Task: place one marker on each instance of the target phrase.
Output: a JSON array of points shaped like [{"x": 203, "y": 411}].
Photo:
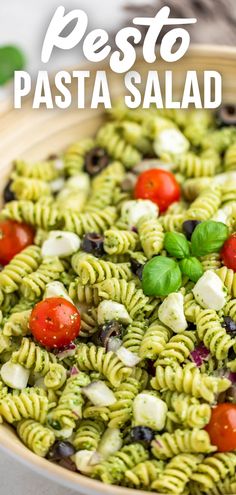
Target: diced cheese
[
  {"x": 171, "y": 312},
  {"x": 80, "y": 182},
  {"x": 14, "y": 375},
  {"x": 57, "y": 184},
  {"x": 63, "y": 434},
  {"x": 170, "y": 141},
  {"x": 222, "y": 179},
  {"x": 150, "y": 411},
  {"x": 56, "y": 289},
  {"x": 220, "y": 216},
  {"x": 99, "y": 394},
  {"x": 111, "y": 310},
  {"x": 133, "y": 210},
  {"x": 127, "y": 357},
  {"x": 110, "y": 443},
  {"x": 60, "y": 243},
  {"x": 210, "y": 291},
  {"x": 82, "y": 460}
]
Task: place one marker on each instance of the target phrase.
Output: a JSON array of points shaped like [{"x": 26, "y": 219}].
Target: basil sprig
[
  {"x": 192, "y": 268},
  {"x": 176, "y": 245},
  {"x": 208, "y": 237},
  {"x": 161, "y": 276}
]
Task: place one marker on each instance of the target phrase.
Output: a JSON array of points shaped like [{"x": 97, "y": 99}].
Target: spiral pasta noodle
[
  {"x": 214, "y": 469},
  {"x": 126, "y": 293},
  {"x": 188, "y": 379},
  {"x": 35, "y": 436},
  {"x": 151, "y": 235},
  {"x": 92, "y": 358},
  {"x": 21, "y": 265},
  {"x": 213, "y": 335},
  {"x": 176, "y": 474},
  {"x": 181, "y": 441},
  {"x": 35, "y": 283},
  {"x": 154, "y": 340},
  {"x": 92, "y": 270},
  {"x": 29, "y": 404},
  {"x": 142, "y": 475},
  {"x": 128, "y": 457},
  {"x": 46, "y": 171},
  {"x": 33, "y": 357},
  {"x": 178, "y": 349},
  {"x": 110, "y": 139},
  {"x": 121, "y": 411},
  {"x": 69, "y": 408},
  {"x": 120, "y": 242},
  {"x": 30, "y": 189}
]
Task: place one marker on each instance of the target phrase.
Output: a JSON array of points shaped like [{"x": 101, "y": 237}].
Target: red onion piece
[
  {"x": 74, "y": 371},
  {"x": 199, "y": 355}
]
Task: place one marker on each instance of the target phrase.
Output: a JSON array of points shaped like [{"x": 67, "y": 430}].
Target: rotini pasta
[{"x": 131, "y": 385}]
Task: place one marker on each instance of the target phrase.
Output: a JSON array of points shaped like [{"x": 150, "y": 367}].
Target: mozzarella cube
[
  {"x": 170, "y": 141},
  {"x": 14, "y": 375},
  {"x": 132, "y": 211},
  {"x": 57, "y": 184},
  {"x": 63, "y": 434},
  {"x": 60, "y": 243},
  {"x": 220, "y": 216},
  {"x": 80, "y": 182},
  {"x": 111, "y": 310},
  {"x": 150, "y": 411},
  {"x": 171, "y": 312},
  {"x": 56, "y": 289},
  {"x": 210, "y": 292},
  {"x": 99, "y": 394},
  {"x": 111, "y": 442},
  {"x": 82, "y": 460}
]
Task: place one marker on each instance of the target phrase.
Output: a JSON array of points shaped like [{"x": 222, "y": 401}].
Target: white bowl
[{"x": 33, "y": 135}]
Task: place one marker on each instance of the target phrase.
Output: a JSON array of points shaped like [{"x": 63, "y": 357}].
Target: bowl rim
[{"x": 16, "y": 449}]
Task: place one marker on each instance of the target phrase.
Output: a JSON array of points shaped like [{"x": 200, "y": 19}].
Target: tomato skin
[
  {"x": 160, "y": 186},
  {"x": 222, "y": 427},
  {"x": 14, "y": 237},
  {"x": 228, "y": 252},
  {"x": 55, "y": 322}
]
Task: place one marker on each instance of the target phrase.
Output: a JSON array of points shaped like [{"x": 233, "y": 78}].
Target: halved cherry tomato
[
  {"x": 222, "y": 427},
  {"x": 228, "y": 252},
  {"x": 160, "y": 186},
  {"x": 55, "y": 322},
  {"x": 14, "y": 237}
]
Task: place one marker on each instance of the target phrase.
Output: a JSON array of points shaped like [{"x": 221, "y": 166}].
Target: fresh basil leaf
[
  {"x": 161, "y": 276},
  {"x": 192, "y": 268},
  {"x": 208, "y": 237},
  {"x": 176, "y": 245},
  {"x": 11, "y": 59}
]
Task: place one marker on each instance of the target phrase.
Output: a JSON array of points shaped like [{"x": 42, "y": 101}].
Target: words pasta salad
[{"x": 118, "y": 303}]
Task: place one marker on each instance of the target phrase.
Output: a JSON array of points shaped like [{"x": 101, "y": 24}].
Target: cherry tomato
[
  {"x": 55, "y": 322},
  {"x": 222, "y": 427},
  {"x": 228, "y": 252},
  {"x": 159, "y": 186},
  {"x": 14, "y": 237}
]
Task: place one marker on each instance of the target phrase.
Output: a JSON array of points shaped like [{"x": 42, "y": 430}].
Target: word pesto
[{"x": 96, "y": 48}]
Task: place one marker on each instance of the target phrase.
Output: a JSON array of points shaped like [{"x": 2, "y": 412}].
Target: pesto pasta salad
[{"x": 118, "y": 303}]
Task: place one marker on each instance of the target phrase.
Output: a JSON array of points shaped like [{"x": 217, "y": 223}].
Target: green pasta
[{"x": 111, "y": 344}]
